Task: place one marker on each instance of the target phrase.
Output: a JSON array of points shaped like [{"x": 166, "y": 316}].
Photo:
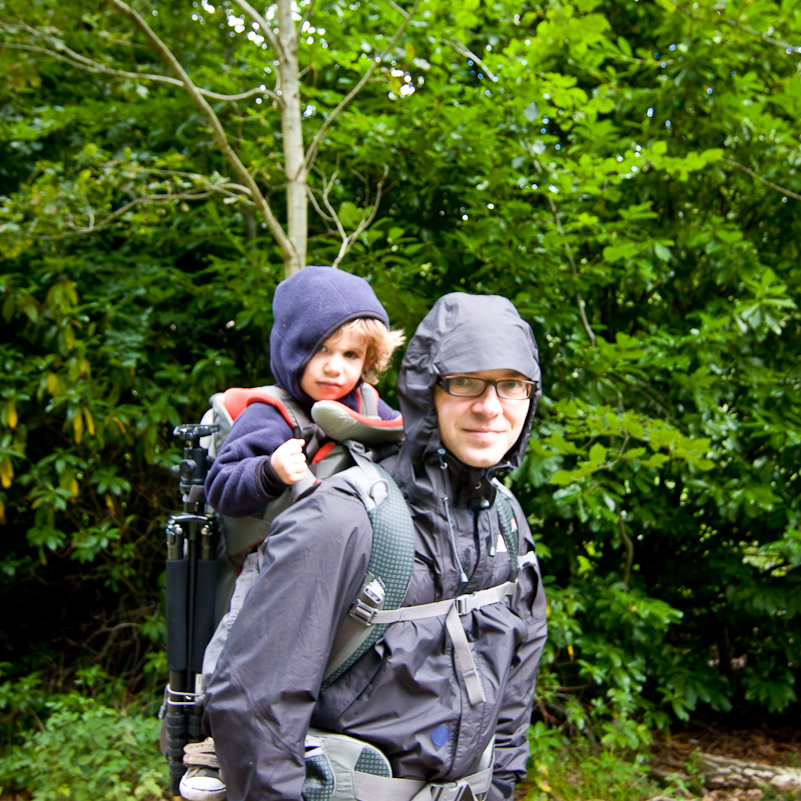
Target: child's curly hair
[{"x": 379, "y": 342}]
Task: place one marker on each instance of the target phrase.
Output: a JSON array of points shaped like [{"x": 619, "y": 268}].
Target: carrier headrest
[{"x": 340, "y": 423}]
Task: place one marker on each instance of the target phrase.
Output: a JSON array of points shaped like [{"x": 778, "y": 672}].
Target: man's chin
[{"x": 481, "y": 458}]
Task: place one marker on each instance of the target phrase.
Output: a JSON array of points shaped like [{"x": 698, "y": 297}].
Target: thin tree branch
[
  {"x": 465, "y": 51},
  {"x": 311, "y": 153},
  {"x": 263, "y": 24},
  {"x": 138, "y": 201},
  {"x": 39, "y": 34},
  {"x": 227, "y": 188},
  {"x": 326, "y": 217},
  {"x": 306, "y": 15},
  {"x": 652, "y": 396},
  {"x": 286, "y": 245},
  {"x": 348, "y": 240},
  {"x": 737, "y": 26},
  {"x": 334, "y": 216},
  {"x": 629, "y": 545},
  {"x": 765, "y": 181},
  {"x": 579, "y": 300},
  {"x": 402, "y": 11},
  {"x": 86, "y": 64},
  {"x": 366, "y": 221}
]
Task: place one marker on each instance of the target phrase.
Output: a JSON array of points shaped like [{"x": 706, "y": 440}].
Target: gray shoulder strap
[
  {"x": 388, "y": 571},
  {"x": 300, "y": 419},
  {"x": 369, "y": 398}
]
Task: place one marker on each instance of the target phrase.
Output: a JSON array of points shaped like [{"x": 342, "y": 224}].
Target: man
[{"x": 469, "y": 386}]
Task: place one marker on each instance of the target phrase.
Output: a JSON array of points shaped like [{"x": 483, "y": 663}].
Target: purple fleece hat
[{"x": 308, "y": 307}]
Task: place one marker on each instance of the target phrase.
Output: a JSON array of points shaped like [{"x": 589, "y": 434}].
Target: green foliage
[
  {"x": 574, "y": 773},
  {"x": 83, "y": 749},
  {"x": 627, "y": 173}
]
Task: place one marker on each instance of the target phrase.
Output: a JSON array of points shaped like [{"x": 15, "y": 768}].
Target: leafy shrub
[
  {"x": 571, "y": 772},
  {"x": 85, "y": 751}
]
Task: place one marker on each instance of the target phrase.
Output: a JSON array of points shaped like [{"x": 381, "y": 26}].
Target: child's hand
[{"x": 289, "y": 462}]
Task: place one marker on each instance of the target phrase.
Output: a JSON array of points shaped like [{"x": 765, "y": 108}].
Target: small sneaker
[{"x": 203, "y": 780}]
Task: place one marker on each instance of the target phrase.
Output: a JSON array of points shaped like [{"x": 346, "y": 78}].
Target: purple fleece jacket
[{"x": 307, "y": 309}]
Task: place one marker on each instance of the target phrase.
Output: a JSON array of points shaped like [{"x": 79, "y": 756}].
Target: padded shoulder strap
[
  {"x": 388, "y": 571},
  {"x": 368, "y": 400},
  {"x": 508, "y": 527},
  {"x": 237, "y": 399}
]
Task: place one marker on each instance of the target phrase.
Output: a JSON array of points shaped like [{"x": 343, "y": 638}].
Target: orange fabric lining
[{"x": 323, "y": 451}]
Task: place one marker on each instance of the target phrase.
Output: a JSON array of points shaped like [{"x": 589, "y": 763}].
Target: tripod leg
[{"x": 175, "y": 713}]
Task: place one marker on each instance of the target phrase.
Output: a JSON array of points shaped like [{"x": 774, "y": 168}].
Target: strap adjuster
[
  {"x": 452, "y": 791},
  {"x": 462, "y": 607},
  {"x": 363, "y": 613}
]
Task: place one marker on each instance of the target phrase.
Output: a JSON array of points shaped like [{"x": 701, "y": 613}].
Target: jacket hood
[
  {"x": 462, "y": 334},
  {"x": 307, "y": 308}
]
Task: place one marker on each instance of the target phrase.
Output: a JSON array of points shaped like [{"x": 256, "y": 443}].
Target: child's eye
[{"x": 352, "y": 354}]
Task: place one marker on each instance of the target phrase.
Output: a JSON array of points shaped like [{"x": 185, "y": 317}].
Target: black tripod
[{"x": 191, "y": 581}]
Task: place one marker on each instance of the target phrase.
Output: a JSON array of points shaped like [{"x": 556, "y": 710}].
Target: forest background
[{"x": 626, "y": 172}]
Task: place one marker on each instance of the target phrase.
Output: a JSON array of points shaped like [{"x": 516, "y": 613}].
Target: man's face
[
  {"x": 479, "y": 431},
  {"x": 336, "y": 368}
]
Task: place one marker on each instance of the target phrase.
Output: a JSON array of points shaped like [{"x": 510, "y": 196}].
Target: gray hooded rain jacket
[{"x": 407, "y": 695}]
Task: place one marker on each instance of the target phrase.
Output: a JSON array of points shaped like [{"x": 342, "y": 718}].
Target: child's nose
[{"x": 333, "y": 365}]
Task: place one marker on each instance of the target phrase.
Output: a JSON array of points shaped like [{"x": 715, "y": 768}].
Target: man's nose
[{"x": 488, "y": 402}]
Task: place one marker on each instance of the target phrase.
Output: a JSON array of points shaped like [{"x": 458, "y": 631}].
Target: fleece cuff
[{"x": 269, "y": 482}]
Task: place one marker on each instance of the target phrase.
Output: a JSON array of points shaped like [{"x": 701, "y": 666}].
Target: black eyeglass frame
[{"x": 444, "y": 381}]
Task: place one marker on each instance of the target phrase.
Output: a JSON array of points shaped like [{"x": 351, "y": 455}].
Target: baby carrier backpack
[{"x": 204, "y": 550}]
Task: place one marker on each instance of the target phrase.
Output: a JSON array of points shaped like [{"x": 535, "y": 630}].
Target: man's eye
[
  {"x": 511, "y": 385},
  {"x": 461, "y": 381}
]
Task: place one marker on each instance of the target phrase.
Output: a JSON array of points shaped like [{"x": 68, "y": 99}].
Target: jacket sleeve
[
  {"x": 240, "y": 481},
  {"x": 262, "y": 694},
  {"x": 511, "y": 744}
]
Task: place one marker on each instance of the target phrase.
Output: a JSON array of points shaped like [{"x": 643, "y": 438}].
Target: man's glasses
[{"x": 468, "y": 386}]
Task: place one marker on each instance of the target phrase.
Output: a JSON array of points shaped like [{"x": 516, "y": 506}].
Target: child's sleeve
[{"x": 241, "y": 481}]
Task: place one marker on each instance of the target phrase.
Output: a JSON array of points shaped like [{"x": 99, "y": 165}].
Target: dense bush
[
  {"x": 626, "y": 173},
  {"x": 76, "y": 746}
]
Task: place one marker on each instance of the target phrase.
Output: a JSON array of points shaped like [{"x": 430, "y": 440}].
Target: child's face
[{"x": 336, "y": 368}]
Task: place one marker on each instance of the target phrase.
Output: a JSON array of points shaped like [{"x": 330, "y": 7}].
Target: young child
[{"x": 330, "y": 334}]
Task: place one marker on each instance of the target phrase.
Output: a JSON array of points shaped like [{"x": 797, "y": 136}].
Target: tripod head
[{"x": 193, "y": 468}]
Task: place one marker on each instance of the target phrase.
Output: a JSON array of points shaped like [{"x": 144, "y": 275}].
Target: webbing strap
[
  {"x": 300, "y": 488},
  {"x": 464, "y": 656},
  {"x": 463, "y": 604},
  {"x": 368, "y": 787},
  {"x": 453, "y": 608}
]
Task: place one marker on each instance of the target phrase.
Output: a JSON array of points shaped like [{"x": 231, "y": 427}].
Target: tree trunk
[
  {"x": 294, "y": 154},
  {"x": 719, "y": 772},
  {"x": 724, "y": 772}
]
